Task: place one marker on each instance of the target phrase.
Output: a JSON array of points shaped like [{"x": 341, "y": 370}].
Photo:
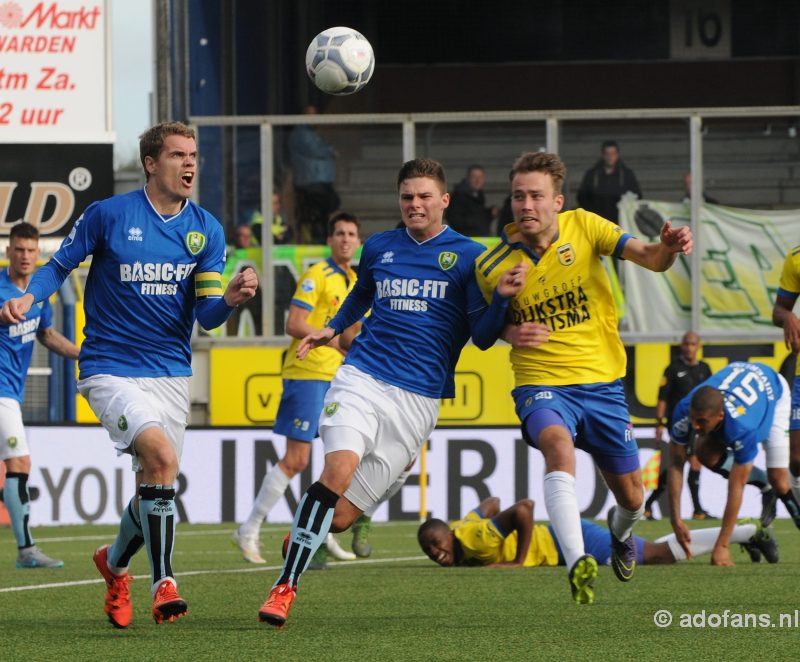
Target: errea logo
[
  {"x": 388, "y": 257},
  {"x": 135, "y": 234}
]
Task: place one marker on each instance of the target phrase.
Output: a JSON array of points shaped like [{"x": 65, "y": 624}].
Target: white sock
[
  {"x": 393, "y": 489},
  {"x": 703, "y": 540},
  {"x": 623, "y": 521},
  {"x": 272, "y": 488},
  {"x": 565, "y": 517}
]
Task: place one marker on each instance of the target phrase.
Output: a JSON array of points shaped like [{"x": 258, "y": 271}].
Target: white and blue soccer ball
[{"x": 340, "y": 61}]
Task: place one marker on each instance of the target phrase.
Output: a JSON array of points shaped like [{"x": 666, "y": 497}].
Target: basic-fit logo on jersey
[
  {"x": 195, "y": 242},
  {"x": 447, "y": 260}
]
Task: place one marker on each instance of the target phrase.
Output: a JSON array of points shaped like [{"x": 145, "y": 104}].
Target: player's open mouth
[{"x": 188, "y": 178}]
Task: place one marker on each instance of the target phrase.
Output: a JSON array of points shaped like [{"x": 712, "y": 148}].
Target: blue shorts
[
  {"x": 794, "y": 419},
  {"x": 597, "y": 542},
  {"x": 596, "y": 416},
  {"x": 300, "y": 407}
]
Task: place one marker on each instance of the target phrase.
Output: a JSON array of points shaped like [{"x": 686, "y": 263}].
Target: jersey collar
[
  {"x": 165, "y": 219},
  {"x": 438, "y": 234},
  {"x": 513, "y": 238}
]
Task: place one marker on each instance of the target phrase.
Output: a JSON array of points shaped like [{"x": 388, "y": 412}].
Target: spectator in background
[
  {"x": 243, "y": 237},
  {"x": 468, "y": 213},
  {"x": 281, "y": 232},
  {"x": 606, "y": 182},
  {"x": 687, "y": 193},
  {"x": 313, "y": 163}
]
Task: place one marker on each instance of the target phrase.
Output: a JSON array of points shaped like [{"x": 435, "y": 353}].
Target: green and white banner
[{"x": 741, "y": 255}]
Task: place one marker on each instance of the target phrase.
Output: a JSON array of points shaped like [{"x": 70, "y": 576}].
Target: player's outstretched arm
[
  {"x": 58, "y": 343},
  {"x": 677, "y": 458},
  {"x": 736, "y": 482},
  {"x": 347, "y": 337},
  {"x": 660, "y": 256},
  {"x": 313, "y": 340},
  {"x": 241, "y": 288},
  {"x": 14, "y": 310},
  {"x": 519, "y": 518},
  {"x": 489, "y": 507},
  {"x": 783, "y": 316}
]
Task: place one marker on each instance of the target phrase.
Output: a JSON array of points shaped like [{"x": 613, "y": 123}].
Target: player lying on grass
[{"x": 488, "y": 537}]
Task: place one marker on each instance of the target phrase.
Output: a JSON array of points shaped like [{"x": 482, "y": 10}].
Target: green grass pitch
[{"x": 395, "y": 606}]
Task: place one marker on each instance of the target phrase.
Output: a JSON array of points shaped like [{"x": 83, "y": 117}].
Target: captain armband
[{"x": 207, "y": 284}]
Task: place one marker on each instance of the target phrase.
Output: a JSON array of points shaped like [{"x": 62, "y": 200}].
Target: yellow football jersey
[
  {"x": 790, "y": 278},
  {"x": 321, "y": 290},
  {"x": 568, "y": 290},
  {"x": 484, "y": 544}
]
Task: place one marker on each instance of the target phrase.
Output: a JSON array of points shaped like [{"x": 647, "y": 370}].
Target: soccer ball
[{"x": 340, "y": 61}]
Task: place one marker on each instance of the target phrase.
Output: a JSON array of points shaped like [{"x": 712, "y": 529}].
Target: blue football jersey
[
  {"x": 145, "y": 275},
  {"x": 751, "y": 391},
  {"x": 16, "y": 341},
  {"x": 421, "y": 296}
]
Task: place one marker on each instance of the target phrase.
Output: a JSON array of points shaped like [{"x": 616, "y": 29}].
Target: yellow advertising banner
[{"x": 246, "y": 384}]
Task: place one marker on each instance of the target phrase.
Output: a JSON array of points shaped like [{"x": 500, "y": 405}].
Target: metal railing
[{"x": 553, "y": 121}]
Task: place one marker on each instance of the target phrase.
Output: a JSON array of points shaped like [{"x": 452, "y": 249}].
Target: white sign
[
  {"x": 54, "y": 64},
  {"x": 741, "y": 257},
  {"x": 81, "y": 480}
]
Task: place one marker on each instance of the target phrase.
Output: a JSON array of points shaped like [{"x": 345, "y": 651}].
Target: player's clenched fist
[
  {"x": 242, "y": 287},
  {"x": 14, "y": 310},
  {"x": 513, "y": 280}
]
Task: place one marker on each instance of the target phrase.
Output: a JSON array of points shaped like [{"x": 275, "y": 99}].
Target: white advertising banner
[
  {"x": 54, "y": 72},
  {"x": 741, "y": 254},
  {"x": 81, "y": 480}
]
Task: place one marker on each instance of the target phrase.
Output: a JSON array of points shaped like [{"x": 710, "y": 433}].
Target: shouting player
[{"x": 157, "y": 260}]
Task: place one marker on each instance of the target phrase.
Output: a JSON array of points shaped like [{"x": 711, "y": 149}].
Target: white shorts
[
  {"x": 13, "y": 442},
  {"x": 393, "y": 424},
  {"x": 777, "y": 444},
  {"x": 126, "y": 406}
]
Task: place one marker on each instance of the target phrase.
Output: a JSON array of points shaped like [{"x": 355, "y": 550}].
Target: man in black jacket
[
  {"x": 606, "y": 182},
  {"x": 468, "y": 213}
]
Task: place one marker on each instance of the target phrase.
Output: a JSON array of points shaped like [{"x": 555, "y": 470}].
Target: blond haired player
[{"x": 568, "y": 357}]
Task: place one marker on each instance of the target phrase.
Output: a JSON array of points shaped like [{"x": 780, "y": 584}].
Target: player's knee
[
  {"x": 19, "y": 465},
  {"x": 779, "y": 480},
  {"x": 159, "y": 461}
]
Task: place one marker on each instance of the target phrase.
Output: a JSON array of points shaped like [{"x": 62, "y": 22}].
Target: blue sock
[
  {"x": 312, "y": 521},
  {"x": 157, "y": 516},
  {"x": 129, "y": 539},
  {"x": 17, "y": 500}
]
